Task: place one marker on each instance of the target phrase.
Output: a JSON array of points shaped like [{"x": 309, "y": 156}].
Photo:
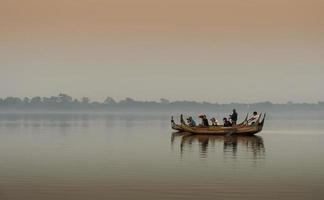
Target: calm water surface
[{"x": 136, "y": 156}]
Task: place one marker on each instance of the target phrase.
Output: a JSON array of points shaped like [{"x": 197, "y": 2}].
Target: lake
[{"x": 136, "y": 155}]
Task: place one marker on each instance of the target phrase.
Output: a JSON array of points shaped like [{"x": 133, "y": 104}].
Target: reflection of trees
[{"x": 230, "y": 144}]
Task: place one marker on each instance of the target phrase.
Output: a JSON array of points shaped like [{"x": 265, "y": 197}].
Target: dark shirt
[
  {"x": 227, "y": 124},
  {"x": 234, "y": 117},
  {"x": 205, "y": 122}
]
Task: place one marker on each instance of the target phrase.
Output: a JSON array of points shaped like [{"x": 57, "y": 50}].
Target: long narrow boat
[{"x": 241, "y": 129}]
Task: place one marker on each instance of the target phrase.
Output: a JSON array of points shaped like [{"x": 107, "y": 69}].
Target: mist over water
[
  {"x": 63, "y": 136},
  {"x": 135, "y": 155}
]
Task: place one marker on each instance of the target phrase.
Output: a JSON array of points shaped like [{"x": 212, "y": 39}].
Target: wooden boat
[{"x": 241, "y": 129}]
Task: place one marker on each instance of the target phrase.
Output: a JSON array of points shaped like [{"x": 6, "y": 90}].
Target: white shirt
[{"x": 254, "y": 118}]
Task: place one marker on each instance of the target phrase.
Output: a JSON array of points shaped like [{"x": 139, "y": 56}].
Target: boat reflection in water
[{"x": 232, "y": 146}]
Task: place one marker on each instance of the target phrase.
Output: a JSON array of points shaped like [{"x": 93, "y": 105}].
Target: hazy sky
[{"x": 206, "y": 50}]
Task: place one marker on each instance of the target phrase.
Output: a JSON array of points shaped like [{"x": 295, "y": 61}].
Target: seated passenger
[
  {"x": 226, "y": 122},
  {"x": 253, "y": 119},
  {"x": 204, "y": 121},
  {"x": 191, "y": 122},
  {"x": 214, "y": 121}
]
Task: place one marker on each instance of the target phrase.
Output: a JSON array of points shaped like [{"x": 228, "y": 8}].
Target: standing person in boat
[
  {"x": 191, "y": 122},
  {"x": 253, "y": 119},
  {"x": 226, "y": 122},
  {"x": 233, "y": 117}
]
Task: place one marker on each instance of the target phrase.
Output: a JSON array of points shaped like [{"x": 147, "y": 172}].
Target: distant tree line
[{"x": 66, "y": 102}]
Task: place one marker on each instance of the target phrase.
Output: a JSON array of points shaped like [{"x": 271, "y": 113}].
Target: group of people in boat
[{"x": 227, "y": 122}]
